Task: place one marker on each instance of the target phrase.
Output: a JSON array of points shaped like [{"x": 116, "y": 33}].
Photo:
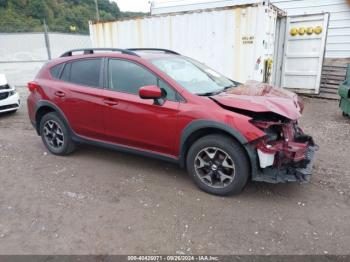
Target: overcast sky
[{"x": 134, "y": 5}]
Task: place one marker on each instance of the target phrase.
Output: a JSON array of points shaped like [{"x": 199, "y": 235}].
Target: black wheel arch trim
[
  {"x": 79, "y": 139},
  {"x": 44, "y": 103},
  {"x": 192, "y": 127},
  {"x": 197, "y": 125},
  {"x": 123, "y": 148}
]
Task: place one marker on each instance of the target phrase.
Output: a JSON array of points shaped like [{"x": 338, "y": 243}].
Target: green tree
[
  {"x": 36, "y": 9},
  {"x": 60, "y": 15}
]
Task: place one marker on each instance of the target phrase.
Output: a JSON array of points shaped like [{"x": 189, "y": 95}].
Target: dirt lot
[{"x": 99, "y": 201}]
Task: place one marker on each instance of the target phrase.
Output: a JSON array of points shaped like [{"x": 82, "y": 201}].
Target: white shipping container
[
  {"x": 242, "y": 39},
  {"x": 236, "y": 40}
]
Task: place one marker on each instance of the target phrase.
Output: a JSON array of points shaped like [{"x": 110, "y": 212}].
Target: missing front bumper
[{"x": 292, "y": 172}]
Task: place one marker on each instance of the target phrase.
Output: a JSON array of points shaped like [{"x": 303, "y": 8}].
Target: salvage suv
[{"x": 155, "y": 102}]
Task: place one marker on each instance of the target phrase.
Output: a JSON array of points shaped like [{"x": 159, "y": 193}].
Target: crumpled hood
[{"x": 260, "y": 97}]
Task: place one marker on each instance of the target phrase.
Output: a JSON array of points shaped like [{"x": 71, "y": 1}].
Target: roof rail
[
  {"x": 154, "y": 49},
  {"x": 92, "y": 50}
]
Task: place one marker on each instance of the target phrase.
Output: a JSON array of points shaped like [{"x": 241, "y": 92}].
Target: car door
[
  {"x": 79, "y": 95},
  {"x": 136, "y": 122}
]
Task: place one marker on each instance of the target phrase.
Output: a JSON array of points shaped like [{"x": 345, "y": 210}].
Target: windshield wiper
[
  {"x": 227, "y": 87},
  {"x": 209, "y": 93},
  {"x": 215, "y": 92}
]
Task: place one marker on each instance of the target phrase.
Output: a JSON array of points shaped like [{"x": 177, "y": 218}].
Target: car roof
[
  {"x": 138, "y": 54},
  {"x": 154, "y": 54}
]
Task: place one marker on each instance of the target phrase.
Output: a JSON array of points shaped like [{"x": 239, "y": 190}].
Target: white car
[{"x": 9, "y": 98}]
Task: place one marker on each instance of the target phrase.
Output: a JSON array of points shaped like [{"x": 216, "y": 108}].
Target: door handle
[
  {"x": 110, "y": 102},
  {"x": 60, "y": 94}
]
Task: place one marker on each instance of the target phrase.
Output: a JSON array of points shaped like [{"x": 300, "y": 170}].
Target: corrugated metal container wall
[
  {"x": 229, "y": 40},
  {"x": 175, "y": 6},
  {"x": 338, "y": 39}
]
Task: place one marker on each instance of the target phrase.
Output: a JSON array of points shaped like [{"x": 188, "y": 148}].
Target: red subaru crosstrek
[{"x": 158, "y": 103}]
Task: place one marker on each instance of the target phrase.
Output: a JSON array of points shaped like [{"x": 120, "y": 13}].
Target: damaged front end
[{"x": 285, "y": 154}]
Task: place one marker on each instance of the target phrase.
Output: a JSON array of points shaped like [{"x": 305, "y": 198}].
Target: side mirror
[{"x": 150, "y": 92}]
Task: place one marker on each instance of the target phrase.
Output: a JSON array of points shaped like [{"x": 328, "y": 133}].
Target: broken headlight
[{"x": 273, "y": 130}]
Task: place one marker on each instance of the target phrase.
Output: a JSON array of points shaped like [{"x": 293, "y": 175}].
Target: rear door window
[
  {"x": 56, "y": 70},
  {"x": 66, "y": 73},
  {"x": 83, "y": 72}
]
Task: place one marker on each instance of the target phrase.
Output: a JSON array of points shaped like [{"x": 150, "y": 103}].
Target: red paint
[
  {"x": 259, "y": 97},
  {"x": 292, "y": 150},
  {"x": 139, "y": 123},
  {"x": 150, "y": 92},
  {"x": 129, "y": 120}
]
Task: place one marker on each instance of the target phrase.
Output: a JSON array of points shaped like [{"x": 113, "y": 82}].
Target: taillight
[{"x": 32, "y": 86}]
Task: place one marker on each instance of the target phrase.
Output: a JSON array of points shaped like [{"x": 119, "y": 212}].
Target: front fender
[
  {"x": 234, "y": 133},
  {"x": 197, "y": 125}
]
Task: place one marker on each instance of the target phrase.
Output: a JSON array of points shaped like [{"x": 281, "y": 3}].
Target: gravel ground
[{"x": 100, "y": 201}]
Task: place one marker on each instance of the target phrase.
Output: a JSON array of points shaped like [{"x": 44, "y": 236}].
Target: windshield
[{"x": 192, "y": 75}]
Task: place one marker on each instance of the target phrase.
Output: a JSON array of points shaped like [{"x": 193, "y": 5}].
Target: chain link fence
[{"x": 23, "y": 54}]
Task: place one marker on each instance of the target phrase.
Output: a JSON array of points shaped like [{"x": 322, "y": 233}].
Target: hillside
[{"x": 60, "y": 15}]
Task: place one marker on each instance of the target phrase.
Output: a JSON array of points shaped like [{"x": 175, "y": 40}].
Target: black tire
[
  {"x": 65, "y": 147},
  {"x": 236, "y": 156}
]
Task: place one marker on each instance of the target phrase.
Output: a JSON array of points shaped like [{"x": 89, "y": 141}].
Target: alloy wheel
[
  {"x": 53, "y": 134},
  {"x": 214, "y": 167}
]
